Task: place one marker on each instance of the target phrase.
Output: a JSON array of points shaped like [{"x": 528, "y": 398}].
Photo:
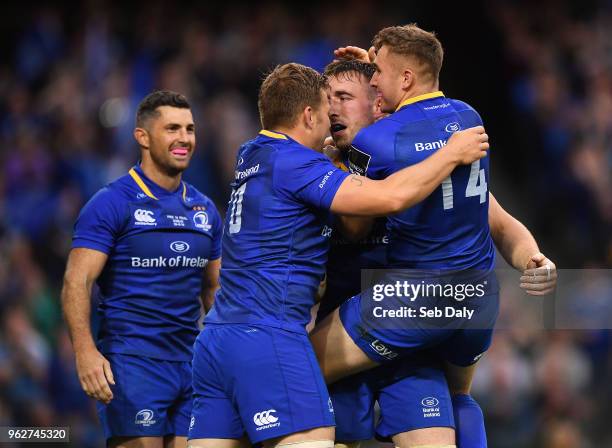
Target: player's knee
[
  {"x": 347, "y": 445},
  {"x": 307, "y": 444},
  {"x": 429, "y": 446}
]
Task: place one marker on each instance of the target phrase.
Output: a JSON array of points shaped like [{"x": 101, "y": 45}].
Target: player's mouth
[
  {"x": 336, "y": 128},
  {"x": 180, "y": 152}
]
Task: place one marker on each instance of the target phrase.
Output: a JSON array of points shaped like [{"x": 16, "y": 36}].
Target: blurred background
[{"x": 72, "y": 74}]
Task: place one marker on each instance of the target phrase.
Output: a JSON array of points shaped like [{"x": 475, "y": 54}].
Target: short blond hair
[
  {"x": 286, "y": 92},
  {"x": 412, "y": 41}
]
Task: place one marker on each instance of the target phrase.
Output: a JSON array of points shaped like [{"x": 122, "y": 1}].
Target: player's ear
[
  {"x": 309, "y": 118},
  {"x": 142, "y": 137},
  {"x": 408, "y": 79}
]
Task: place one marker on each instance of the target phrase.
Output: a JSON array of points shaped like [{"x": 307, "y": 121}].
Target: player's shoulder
[
  {"x": 460, "y": 105},
  {"x": 464, "y": 108},
  {"x": 377, "y": 134},
  {"x": 109, "y": 203},
  {"x": 116, "y": 191},
  {"x": 296, "y": 154}
]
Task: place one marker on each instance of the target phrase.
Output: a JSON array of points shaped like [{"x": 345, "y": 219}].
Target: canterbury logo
[
  {"x": 265, "y": 419},
  {"x": 144, "y": 216}
]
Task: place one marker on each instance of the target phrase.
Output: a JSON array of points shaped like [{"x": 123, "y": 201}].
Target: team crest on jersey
[
  {"x": 200, "y": 220},
  {"x": 144, "y": 417},
  {"x": 452, "y": 127},
  {"x": 358, "y": 161}
]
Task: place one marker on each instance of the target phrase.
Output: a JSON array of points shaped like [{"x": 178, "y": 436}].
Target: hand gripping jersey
[
  {"x": 449, "y": 229},
  {"x": 275, "y": 238},
  {"x": 158, "y": 244}
]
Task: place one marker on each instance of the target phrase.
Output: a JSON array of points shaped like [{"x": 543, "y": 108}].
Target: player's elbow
[{"x": 400, "y": 201}]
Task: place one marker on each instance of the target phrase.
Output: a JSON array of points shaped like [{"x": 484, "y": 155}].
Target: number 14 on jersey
[{"x": 476, "y": 186}]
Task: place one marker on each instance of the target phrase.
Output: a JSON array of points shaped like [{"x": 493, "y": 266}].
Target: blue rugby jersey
[
  {"x": 158, "y": 244},
  {"x": 347, "y": 258},
  {"x": 450, "y": 228},
  {"x": 276, "y": 236}
]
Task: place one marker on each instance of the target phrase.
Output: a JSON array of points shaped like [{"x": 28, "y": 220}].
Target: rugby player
[
  {"x": 448, "y": 231},
  {"x": 353, "y": 106},
  {"x": 254, "y": 370},
  {"x": 152, "y": 243}
]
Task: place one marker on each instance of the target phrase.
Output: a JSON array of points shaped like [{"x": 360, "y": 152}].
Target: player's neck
[
  {"x": 419, "y": 90},
  {"x": 298, "y": 134},
  {"x": 162, "y": 179}
]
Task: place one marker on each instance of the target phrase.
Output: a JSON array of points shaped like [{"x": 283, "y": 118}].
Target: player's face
[
  {"x": 172, "y": 139},
  {"x": 387, "y": 79},
  {"x": 352, "y": 107},
  {"x": 321, "y": 118}
]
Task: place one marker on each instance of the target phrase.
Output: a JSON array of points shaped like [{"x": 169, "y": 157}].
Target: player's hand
[
  {"x": 95, "y": 374},
  {"x": 469, "y": 145},
  {"x": 350, "y": 52},
  {"x": 540, "y": 276}
]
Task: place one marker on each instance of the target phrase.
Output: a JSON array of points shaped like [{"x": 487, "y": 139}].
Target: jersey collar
[
  {"x": 149, "y": 187},
  {"x": 271, "y": 134},
  {"x": 416, "y": 99}
]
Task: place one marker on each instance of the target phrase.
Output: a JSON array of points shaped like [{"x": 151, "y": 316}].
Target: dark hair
[
  {"x": 349, "y": 67},
  {"x": 147, "y": 108},
  {"x": 410, "y": 40},
  {"x": 286, "y": 92}
]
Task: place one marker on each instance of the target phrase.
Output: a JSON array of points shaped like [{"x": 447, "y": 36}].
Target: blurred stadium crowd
[{"x": 70, "y": 80}]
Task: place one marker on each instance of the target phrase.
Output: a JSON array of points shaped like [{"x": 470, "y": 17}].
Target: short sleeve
[
  {"x": 99, "y": 223},
  {"x": 308, "y": 177}
]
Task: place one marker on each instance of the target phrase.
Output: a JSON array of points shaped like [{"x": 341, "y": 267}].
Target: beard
[{"x": 167, "y": 165}]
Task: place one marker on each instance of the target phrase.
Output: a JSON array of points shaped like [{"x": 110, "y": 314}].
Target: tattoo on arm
[{"x": 355, "y": 179}]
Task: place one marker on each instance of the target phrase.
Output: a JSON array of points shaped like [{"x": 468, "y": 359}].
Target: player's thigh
[
  {"x": 218, "y": 443},
  {"x": 143, "y": 394},
  {"x": 415, "y": 401},
  {"x": 459, "y": 378},
  {"x": 426, "y": 437},
  {"x": 213, "y": 412},
  {"x": 338, "y": 354},
  {"x": 461, "y": 354},
  {"x": 136, "y": 442},
  {"x": 278, "y": 387},
  {"x": 353, "y": 400},
  {"x": 179, "y": 414},
  {"x": 175, "y": 442},
  {"x": 320, "y": 438},
  {"x": 265, "y": 380}
]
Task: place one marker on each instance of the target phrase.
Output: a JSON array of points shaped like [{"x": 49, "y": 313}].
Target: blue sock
[{"x": 469, "y": 422}]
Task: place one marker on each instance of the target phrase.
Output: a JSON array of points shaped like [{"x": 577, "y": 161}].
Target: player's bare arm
[
  {"x": 210, "y": 283},
  {"x": 520, "y": 249},
  {"x": 360, "y": 196},
  {"x": 83, "y": 268}
]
